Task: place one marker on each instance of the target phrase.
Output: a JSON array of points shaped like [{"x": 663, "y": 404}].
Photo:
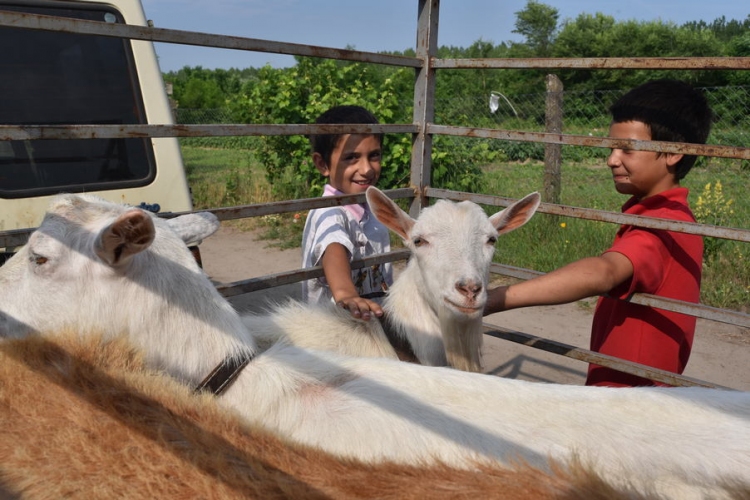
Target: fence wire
[
  {"x": 584, "y": 112},
  {"x": 587, "y": 112}
]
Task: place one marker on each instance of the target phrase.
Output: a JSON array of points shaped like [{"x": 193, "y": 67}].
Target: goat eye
[
  {"x": 419, "y": 241},
  {"x": 492, "y": 240},
  {"x": 38, "y": 259}
]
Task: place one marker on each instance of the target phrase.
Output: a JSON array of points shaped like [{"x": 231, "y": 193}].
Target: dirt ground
[{"x": 721, "y": 353}]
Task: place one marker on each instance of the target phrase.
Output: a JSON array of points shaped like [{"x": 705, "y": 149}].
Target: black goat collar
[{"x": 224, "y": 374}]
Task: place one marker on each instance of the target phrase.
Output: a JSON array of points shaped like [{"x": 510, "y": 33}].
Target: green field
[{"x": 227, "y": 177}]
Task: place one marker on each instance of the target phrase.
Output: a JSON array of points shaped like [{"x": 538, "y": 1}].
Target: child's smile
[{"x": 355, "y": 163}]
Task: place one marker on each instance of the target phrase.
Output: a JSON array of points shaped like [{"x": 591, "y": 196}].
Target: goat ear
[
  {"x": 193, "y": 228},
  {"x": 131, "y": 233},
  {"x": 517, "y": 214},
  {"x": 387, "y": 212}
]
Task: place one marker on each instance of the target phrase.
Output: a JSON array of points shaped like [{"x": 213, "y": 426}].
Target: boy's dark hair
[
  {"x": 324, "y": 144},
  {"x": 673, "y": 110}
]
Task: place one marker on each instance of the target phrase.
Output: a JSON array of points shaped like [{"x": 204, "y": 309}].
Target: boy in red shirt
[{"x": 657, "y": 262}]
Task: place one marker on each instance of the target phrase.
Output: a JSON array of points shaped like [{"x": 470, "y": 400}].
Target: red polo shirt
[{"x": 667, "y": 264}]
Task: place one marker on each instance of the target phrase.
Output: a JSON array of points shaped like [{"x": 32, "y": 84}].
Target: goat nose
[{"x": 469, "y": 290}]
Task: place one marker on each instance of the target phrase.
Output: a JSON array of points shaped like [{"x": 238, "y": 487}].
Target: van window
[{"x": 60, "y": 79}]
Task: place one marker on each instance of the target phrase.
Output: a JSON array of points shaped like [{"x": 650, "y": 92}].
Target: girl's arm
[{"x": 338, "y": 274}]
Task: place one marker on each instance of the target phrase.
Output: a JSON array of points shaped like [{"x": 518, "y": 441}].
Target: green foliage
[
  {"x": 224, "y": 177},
  {"x": 522, "y": 151},
  {"x": 300, "y": 94},
  {"x": 228, "y": 142},
  {"x": 204, "y": 88},
  {"x": 537, "y": 23},
  {"x": 723, "y": 30},
  {"x": 739, "y": 47},
  {"x": 713, "y": 208},
  {"x": 725, "y": 278},
  {"x": 599, "y": 35},
  {"x": 202, "y": 94}
]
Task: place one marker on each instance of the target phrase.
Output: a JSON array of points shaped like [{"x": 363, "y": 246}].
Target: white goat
[
  {"x": 113, "y": 270},
  {"x": 434, "y": 308}
]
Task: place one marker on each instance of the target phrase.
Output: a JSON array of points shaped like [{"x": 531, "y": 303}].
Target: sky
[{"x": 382, "y": 25}]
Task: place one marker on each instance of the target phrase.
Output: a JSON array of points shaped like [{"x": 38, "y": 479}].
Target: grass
[
  {"x": 224, "y": 177},
  {"x": 229, "y": 177},
  {"x": 232, "y": 177}
]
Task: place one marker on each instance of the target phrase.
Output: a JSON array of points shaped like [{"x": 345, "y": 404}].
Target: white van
[{"x": 63, "y": 78}]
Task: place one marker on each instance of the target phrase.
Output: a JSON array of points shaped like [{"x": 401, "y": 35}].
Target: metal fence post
[
  {"x": 553, "y": 152},
  {"x": 424, "y": 101}
]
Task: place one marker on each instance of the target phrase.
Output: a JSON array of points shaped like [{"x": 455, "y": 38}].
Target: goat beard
[{"x": 462, "y": 338}]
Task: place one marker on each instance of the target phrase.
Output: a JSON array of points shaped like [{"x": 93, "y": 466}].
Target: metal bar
[
  {"x": 294, "y": 276},
  {"x": 553, "y": 123},
  {"x": 698, "y": 310},
  {"x": 596, "y": 358},
  {"x": 728, "y": 233},
  {"x": 35, "y": 132},
  {"x": 424, "y": 101},
  {"x": 51, "y": 23},
  {"x": 598, "y": 142},
  {"x": 38, "y": 132},
  {"x": 696, "y": 63},
  {"x": 278, "y": 207},
  {"x": 15, "y": 237},
  {"x": 18, "y": 237},
  {"x": 67, "y": 25}
]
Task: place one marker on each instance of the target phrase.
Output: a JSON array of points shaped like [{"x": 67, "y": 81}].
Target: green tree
[
  {"x": 199, "y": 93},
  {"x": 599, "y": 35},
  {"x": 301, "y": 93},
  {"x": 537, "y": 23},
  {"x": 200, "y": 88},
  {"x": 739, "y": 47},
  {"x": 723, "y": 30}
]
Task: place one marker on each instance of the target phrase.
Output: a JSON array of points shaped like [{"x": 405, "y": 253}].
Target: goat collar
[{"x": 224, "y": 374}]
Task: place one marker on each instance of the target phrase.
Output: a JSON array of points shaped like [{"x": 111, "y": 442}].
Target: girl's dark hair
[
  {"x": 324, "y": 144},
  {"x": 673, "y": 110}
]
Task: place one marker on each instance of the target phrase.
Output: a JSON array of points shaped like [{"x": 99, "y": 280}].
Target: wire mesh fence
[
  {"x": 203, "y": 116},
  {"x": 587, "y": 112},
  {"x": 584, "y": 113}
]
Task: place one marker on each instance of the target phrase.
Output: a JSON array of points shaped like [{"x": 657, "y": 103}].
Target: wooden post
[
  {"x": 424, "y": 102},
  {"x": 553, "y": 152}
]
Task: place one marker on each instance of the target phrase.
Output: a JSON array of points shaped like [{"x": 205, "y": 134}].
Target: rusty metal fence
[{"x": 427, "y": 123}]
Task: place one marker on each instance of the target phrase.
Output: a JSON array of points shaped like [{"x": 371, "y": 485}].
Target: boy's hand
[{"x": 360, "y": 308}]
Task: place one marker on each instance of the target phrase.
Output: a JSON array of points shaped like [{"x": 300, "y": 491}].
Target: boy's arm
[
  {"x": 338, "y": 273},
  {"x": 578, "y": 280}
]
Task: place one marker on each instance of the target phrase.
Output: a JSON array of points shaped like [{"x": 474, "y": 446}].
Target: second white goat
[{"x": 434, "y": 308}]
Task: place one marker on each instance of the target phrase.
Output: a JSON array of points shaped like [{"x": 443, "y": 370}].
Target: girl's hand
[{"x": 360, "y": 308}]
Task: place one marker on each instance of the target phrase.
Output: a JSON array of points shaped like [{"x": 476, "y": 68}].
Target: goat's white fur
[
  {"x": 436, "y": 303},
  {"x": 89, "y": 266}
]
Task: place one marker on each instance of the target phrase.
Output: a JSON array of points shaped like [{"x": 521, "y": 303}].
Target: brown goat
[{"x": 88, "y": 420}]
